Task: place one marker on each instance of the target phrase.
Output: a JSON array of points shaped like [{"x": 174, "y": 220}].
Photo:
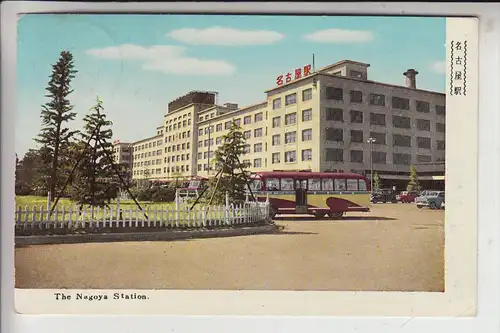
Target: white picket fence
[{"x": 177, "y": 216}]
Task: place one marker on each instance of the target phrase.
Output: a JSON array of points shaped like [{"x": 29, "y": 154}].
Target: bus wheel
[
  {"x": 336, "y": 215},
  {"x": 272, "y": 212}
]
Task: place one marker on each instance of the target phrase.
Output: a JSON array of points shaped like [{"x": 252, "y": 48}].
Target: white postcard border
[{"x": 457, "y": 234}]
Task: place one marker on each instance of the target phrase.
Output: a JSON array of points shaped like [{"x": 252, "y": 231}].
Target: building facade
[
  {"x": 332, "y": 119},
  {"x": 122, "y": 154}
]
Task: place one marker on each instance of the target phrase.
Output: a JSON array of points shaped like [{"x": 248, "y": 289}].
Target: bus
[{"x": 313, "y": 193}]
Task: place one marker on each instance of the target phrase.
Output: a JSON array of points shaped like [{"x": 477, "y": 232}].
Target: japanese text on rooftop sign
[
  {"x": 297, "y": 74},
  {"x": 458, "y": 68}
]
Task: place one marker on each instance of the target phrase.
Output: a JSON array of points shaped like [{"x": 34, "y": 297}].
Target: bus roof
[{"x": 309, "y": 174}]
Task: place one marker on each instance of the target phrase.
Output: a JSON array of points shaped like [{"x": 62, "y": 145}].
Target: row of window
[
  {"x": 312, "y": 184},
  {"x": 147, "y": 163},
  {"x": 227, "y": 125},
  {"x": 291, "y": 156},
  {"x": 337, "y": 135},
  {"x": 147, "y": 172},
  {"x": 291, "y": 137},
  {"x": 291, "y": 118},
  {"x": 178, "y": 147},
  {"x": 400, "y": 103},
  {"x": 184, "y": 116},
  {"x": 379, "y": 119},
  {"x": 206, "y": 117},
  {"x": 148, "y": 145},
  {"x": 148, "y": 154},
  {"x": 176, "y": 158},
  {"x": 378, "y": 157},
  {"x": 178, "y": 125},
  {"x": 178, "y": 136},
  {"x": 292, "y": 98}
]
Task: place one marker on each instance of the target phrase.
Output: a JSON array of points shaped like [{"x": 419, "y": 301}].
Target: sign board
[{"x": 297, "y": 74}]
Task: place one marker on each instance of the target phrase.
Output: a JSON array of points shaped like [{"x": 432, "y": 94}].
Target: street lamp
[{"x": 371, "y": 141}]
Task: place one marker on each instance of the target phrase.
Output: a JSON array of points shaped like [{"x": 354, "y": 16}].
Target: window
[
  {"x": 334, "y": 114},
  {"x": 334, "y": 93},
  {"x": 401, "y": 159},
  {"x": 400, "y": 103},
  {"x": 256, "y": 185},
  {"x": 307, "y": 135},
  {"x": 356, "y": 74},
  {"x": 423, "y": 107},
  {"x": 352, "y": 184},
  {"x": 276, "y": 103},
  {"x": 306, "y": 154},
  {"x": 356, "y": 156},
  {"x": 423, "y": 125},
  {"x": 276, "y": 140},
  {"x": 276, "y": 158},
  {"x": 200, "y": 156},
  {"x": 379, "y": 157},
  {"x": 327, "y": 184},
  {"x": 423, "y": 142},
  {"x": 246, "y": 149},
  {"x": 237, "y": 122},
  {"x": 290, "y": 156},
  {"x": 340, "y": 185},
  {"x": 440, "y": 127},
  {"x": 306, "y": 94},
  {"x": 314, "y": 184},
  {"x": 247, "y": 163},
  {"x": 287, "y": 184},
  {"x": 247, "y": 120},
  {"x": 218, "y": 140},
  {"x": 440, "y": 110},
  {"x": 307, "y": 115},
  {"x": 334, "y": 134},
  {"x": 257, "y": 132},
  {"x": 401, "y": 140},
  {"x": 440, "y": 145},
  {"x": 257, "y": 148},
  {"x": 276, "y": 122},
  {"x": 290, "y": 137},
  {"x": 356, "y": 136},
  {"x": 334, "y": 155},
  {"x": 218, "y": 127},
  {"x": 258, "y": 117},
  {"x": 356, "y": 96},
  {"x": 356, "y": 116},
  {"x": 199, "y": 167},
  {"x": 362, "y": 185},
  {"x": 272, "y": 184},
  {"x": 257, "y": 163},
  {"x": 424, "y": 158},
  {"x": 400, "y": 122},
  {"x": 291, "y": 118},
  {"x": 377, "y": 119},
  {"x": 376, "y": 99},
  {"x": 247, "y": 134},
  {"x": 290, "y": 99},
  {"x": 227, "y": 125}
]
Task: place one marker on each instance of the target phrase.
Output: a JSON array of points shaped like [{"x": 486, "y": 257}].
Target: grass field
[{"x": 33, "y": 208}]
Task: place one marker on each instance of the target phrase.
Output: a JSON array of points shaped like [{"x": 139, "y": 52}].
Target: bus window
[
  {"x": 327, "y": 184},
  {"x": 194, "y": 184},
  {"x": 352, "y": 184},
  {"x": 314, "y": 184},
  {"x": 273, "y": 184},
  {"x": 362, "y": 185},
  {"x": 256, "y": 185},
  {"x": 287, "y": 184},
  {"x": 339, "y": 184}
]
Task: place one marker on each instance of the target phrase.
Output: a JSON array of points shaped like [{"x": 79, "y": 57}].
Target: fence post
[
  {"x": 226, "y": 209},
  {"x": 177, "y": 207},
  {"x": 203, "y": 216}
]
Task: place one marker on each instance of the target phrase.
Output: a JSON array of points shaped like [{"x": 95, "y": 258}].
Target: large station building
[{"x": 331, "y": 119}]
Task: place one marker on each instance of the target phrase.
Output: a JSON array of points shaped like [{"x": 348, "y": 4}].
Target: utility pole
[{"x": 371, "y": 141}]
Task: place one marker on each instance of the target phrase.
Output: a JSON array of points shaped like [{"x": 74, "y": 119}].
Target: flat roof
[
  {"x": 147, "y": 139},
  {"x": 234, "y": 112}
]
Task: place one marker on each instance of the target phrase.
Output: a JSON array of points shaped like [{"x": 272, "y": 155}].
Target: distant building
[
  {"x": 122, "y": 154},
  {"x": 320, "y": 120}
]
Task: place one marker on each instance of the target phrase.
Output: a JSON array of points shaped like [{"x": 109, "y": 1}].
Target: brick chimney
[{"x": 411, "y": 78}]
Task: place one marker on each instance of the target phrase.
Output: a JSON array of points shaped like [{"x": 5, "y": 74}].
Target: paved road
[{"x": 394, "y": 247}]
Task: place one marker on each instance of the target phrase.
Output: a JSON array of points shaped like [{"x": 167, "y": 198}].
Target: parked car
[
  {"x": 431, "y": 199},
  {"x": 383, "y": 196},
  {"x": 407, "y": 196},
  {"x": 442, "y": 204}
]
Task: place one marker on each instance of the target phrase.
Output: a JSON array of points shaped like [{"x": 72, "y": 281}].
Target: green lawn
[{"x": 32, "y": 208}]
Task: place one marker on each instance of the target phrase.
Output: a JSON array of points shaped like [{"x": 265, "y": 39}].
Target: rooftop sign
[{"x": 297, "y": 74}]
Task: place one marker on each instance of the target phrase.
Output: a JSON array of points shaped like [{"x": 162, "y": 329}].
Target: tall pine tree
[
  {"x": 234, "y": 176},
  {"x": 96, "y": 182},
  {"x": 55, "y": 136}
]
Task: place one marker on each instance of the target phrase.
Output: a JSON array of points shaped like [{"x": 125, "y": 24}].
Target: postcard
[{"x": 185, "y": 164}]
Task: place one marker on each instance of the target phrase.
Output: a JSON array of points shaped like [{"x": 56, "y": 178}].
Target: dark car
[{"x": 383, "y": 196}]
